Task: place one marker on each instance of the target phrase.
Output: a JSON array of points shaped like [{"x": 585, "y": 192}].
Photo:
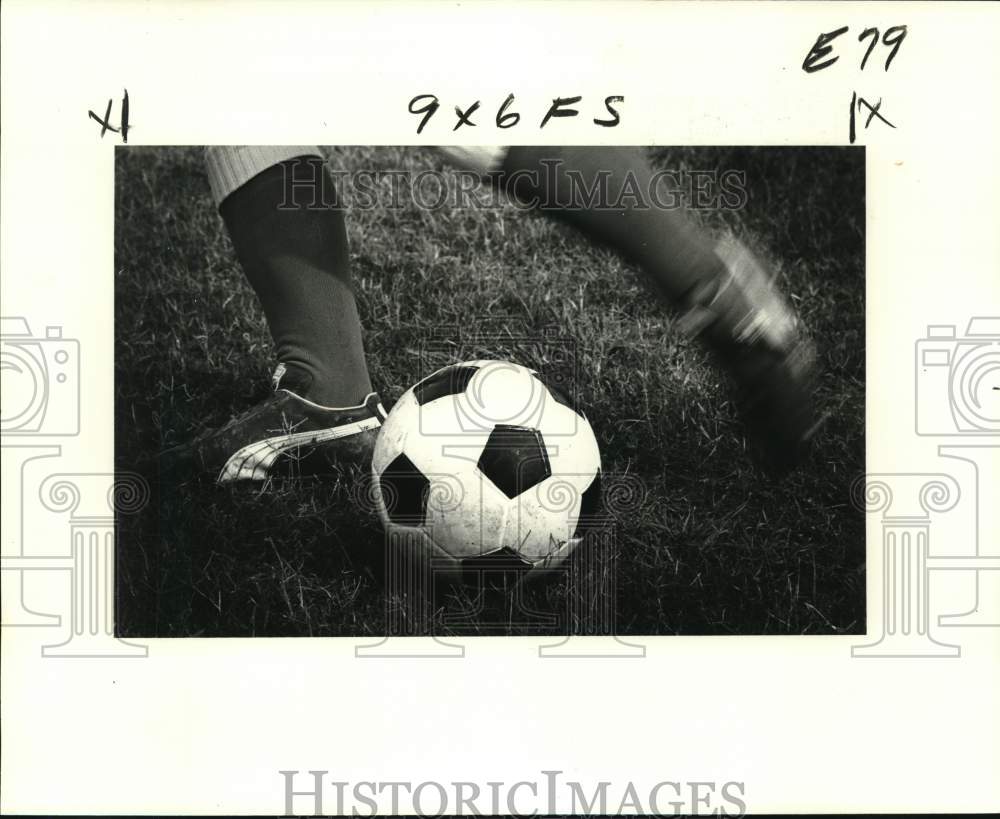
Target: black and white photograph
[
  {"x": 588, "y": 390},
  {"x": 499, "y": 408}
]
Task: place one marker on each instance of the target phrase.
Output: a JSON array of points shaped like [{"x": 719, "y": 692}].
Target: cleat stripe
[{"x": 253, "y": 461}]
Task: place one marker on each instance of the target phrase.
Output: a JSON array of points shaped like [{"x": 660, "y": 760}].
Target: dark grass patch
[{"x": 716, "y": 548}]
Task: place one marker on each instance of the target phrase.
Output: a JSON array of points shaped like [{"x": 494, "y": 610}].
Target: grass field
[{"x": 714, "y": 547}]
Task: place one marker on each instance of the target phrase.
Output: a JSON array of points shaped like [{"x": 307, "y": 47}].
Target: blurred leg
[
  {"x": 726, "y": 296},
  {"x": 665, "y": 244}
]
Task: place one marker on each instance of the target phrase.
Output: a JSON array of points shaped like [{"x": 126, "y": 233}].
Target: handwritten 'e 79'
[{"x": 822, "y": 55}]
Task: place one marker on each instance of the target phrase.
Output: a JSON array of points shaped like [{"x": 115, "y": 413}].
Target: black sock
[
  {"x": 297, "y": 260},
  {"x": 676, "y": 254}
]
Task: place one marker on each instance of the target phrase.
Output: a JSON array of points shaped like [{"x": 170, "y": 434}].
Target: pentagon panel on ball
[{"x": 486, "y": 466}]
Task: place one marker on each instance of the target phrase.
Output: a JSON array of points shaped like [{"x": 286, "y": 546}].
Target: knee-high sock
[
  {"x": 297, "y": 261},
  {"x": 676, "y": 254}
]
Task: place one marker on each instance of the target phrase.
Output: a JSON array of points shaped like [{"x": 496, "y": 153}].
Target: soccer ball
[{"x": 484, "y": 465}]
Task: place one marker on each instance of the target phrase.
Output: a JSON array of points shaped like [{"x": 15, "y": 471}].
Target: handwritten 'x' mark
[
  {"x": 873, "y": 111},
  {"x": 107, "y": 126}
]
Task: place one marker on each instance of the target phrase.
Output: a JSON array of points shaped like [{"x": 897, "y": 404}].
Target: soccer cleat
[
  {"x": 743, "y": 318},
  {"x": 284, "y": 436}
]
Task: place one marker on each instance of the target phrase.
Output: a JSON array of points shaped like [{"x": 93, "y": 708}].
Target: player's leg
[
  {"x": 726, "y": 296},
  {"x": 291, "y": 240},
  {"x": 279, "y": 205},
  {"x": 664, "y": 244}
]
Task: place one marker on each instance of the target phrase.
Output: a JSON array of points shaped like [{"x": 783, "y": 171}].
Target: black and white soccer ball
[{"x": 485, "y": 465}]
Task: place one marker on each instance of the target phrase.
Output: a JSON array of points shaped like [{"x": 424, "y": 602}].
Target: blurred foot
[
  {"x": 756, "y": 334},
  {"x": 284, "y": 436}
]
